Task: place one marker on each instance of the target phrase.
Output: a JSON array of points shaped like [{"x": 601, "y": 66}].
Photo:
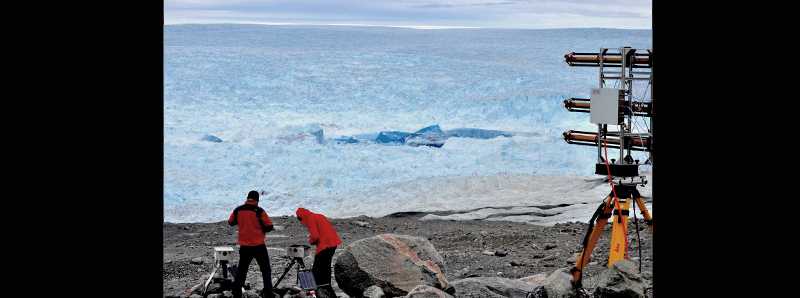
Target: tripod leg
[
  {"x": 210, "y": 278},
  {"x": 619, "y": 233},
  {"x": 592, "y": 235},
  {"x": 646, "y": 214},
  {"x": 224, "y": 265},
  {"x": 285, "y": 271}
]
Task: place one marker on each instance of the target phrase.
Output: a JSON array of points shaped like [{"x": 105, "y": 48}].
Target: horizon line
[{"x": 418, "y": 27}]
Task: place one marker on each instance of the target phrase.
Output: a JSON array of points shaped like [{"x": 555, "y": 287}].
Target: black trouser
[
  {"x": 322, "y": 268},
  {"x": 247, "y": 254}
]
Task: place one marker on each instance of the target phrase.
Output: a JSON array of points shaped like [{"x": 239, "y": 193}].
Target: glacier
[{"x": 295, "y": 112}]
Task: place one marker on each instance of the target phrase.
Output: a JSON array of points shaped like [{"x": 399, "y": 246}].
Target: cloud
[{"x": 469, "y": 13}]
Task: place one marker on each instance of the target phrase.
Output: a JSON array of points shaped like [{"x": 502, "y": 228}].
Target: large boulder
[
  {"x": 496, "y": 287},
  {"x": 395, "y": 263},
  {"x": 621, "y": 280},
  {"x": 423, "y": 291},
  {"x": 559, "y": 284},
  {"x": 536, "y": 280}
]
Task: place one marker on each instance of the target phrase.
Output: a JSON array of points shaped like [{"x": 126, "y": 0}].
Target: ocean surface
[{"x": 295, "y": 112}]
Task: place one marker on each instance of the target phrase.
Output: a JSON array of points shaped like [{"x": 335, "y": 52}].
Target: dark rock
[
  {"x": 621, "y": 280},
  {"x": 538, "y": 292},
  {"x": 550, "y": 246},
  {"x": 395, "y": 263},
  {"x": 500, "y": 253}
]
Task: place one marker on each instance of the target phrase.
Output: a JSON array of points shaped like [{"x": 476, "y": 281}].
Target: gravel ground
[{"x": 530, "y": 249}]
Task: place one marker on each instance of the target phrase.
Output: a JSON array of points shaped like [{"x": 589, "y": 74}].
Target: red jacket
[
  {"x": 320, "y": 231},
  {"x": 251, "y": 228}
]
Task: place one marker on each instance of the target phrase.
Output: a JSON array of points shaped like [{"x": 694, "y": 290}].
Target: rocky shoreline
[{"x": 469, "y": 249}]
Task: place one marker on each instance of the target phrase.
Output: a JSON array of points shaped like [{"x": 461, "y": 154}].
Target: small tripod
[
  {"x": 305, "y": 279},
  {"x": 222, "y": 256}
]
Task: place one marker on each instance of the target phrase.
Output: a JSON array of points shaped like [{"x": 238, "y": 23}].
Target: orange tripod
[{"x": 616, "y": 206}]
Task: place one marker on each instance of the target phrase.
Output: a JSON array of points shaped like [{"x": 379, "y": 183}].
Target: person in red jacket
[
  {"x": 253, "y": 223},
  {"x": 322, "y": 234}
]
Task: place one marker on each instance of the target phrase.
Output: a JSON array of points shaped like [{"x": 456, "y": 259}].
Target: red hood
[
  {"x": 303, "y": 213},
  {"x": 251, "y": 202}
]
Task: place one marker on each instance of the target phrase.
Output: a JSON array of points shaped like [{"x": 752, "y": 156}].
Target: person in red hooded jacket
[
  {"x": 253, "y": 223},
  {"x": 322, "y": 234}
]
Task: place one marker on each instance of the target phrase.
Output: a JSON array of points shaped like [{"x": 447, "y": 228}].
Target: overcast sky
[{"x": 629, "y": 14}]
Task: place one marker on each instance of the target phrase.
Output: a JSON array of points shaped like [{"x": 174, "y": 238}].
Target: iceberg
[
  {"x": 392, "y": 137},
  {"x": 477, "y": 133},
  {"x": 429, "y": 136}
]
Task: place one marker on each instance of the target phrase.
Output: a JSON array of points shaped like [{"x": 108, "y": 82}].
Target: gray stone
[
  {"x": 362, "y": 224},
  {"x": 621, "y": 280},
  {"x": 197, "y": 261},
  {"x": 536, "y": 280},
  {"x": 374, "y": 292},
  {"x": 195, "y": 296},
  {"x": 462, "y": 272},
  {"x": 494, "y": 287},
  {"x": 395, "y": 263},
  {"x": 423, "y": 291},
  {"x": 559, "y": 284}
]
